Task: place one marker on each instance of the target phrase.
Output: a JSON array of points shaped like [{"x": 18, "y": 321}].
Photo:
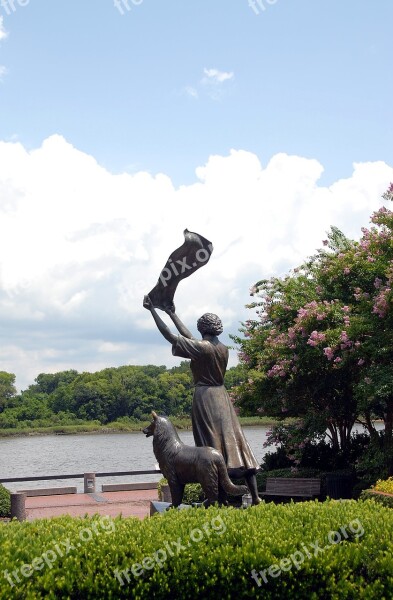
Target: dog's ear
[{"x": 154, "y": 415}]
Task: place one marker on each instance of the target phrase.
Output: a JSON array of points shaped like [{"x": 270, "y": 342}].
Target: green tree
[
  {"x": 321, "y": 347},
  {"x": 47, "y": 383},
  {"x": 7, "y": 389}
]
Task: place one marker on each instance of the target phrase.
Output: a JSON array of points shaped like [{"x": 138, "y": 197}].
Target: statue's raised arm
[
  {"x": 161, "y": 326},
  {"x": 182, "y": 329}
]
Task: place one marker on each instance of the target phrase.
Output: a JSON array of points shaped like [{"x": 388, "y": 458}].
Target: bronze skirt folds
[{"x": 215, "y": 424}]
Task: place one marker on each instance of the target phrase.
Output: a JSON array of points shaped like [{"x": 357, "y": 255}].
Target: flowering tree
[{"x": 321, "y": 346}]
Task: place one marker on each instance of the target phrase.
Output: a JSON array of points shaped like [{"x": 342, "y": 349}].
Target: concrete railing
[{"x": 18, "y": 499}]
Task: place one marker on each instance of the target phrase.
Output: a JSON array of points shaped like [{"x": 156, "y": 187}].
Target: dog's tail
[{"x": 226, "y": 483}]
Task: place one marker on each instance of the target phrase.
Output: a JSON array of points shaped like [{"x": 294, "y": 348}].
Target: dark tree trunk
[
  {"x": 370, "y": 427},
  {"x": 388, "y": 441}
]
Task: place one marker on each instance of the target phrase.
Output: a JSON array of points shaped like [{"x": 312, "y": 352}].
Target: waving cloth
[{"x": 183, "y": 262}]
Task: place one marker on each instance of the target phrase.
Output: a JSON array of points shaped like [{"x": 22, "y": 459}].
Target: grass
[{"x": 128, "y": 426}]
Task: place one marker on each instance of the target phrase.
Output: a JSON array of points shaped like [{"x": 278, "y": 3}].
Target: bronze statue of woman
[{"x": 214, "y": 421}]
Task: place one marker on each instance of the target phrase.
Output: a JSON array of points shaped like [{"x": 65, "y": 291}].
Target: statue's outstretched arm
[
  {"x": 162, "y": 327},
  {"x": 182, "y": 329}
]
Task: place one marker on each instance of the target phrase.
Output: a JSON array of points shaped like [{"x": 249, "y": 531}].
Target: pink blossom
[
  {"x": 358, "y": 293},
  {"x": 377, "y": 283},
  {"x": 315, "y": 338},
  {"x": 388, "y": 195},
  {"x": 381, "y": 303},
  {"x": 347, "y": 271},
  {"x": 279, "y": 370},
  {"x": 244, "y": 357},
  {"x": 337, "y": 360},
  {"x": 361, "y": 362},
  {"x": 291, "y": 333}
]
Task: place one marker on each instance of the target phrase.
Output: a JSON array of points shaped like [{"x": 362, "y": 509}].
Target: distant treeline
[{"x": 113, "y": 394}]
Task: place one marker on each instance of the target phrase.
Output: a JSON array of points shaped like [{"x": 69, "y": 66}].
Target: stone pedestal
[
  {"x": 160, "y": 507},
  {"x": 90, "y": 483},
  {"x": 166, "y": 493},
  {"x": 18, "y": 508}
]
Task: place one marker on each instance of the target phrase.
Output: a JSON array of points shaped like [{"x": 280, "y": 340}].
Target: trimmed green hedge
[
  {"x": 313, "y": 550},
  {"x": 378, "y": 497},
  {"x": 5, "y": 502}
]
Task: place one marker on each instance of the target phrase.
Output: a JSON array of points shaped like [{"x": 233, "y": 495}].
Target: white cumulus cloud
[
  {"x": 80, "y": 246},
  {"x": 217, "y": 76},
  {"x": 3, "y": 33}
]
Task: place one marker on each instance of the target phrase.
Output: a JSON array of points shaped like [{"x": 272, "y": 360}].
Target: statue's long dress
[{"x": 214, "y": 421}]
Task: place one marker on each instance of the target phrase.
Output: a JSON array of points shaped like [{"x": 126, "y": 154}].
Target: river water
[
  {"x": 68, "y": 454},
  {"x": 102, "y": 452}
]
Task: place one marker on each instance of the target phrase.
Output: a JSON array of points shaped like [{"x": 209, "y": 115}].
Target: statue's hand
[
  {"x": 170, "y": 310},
  {"x": 147, "y": 303}
]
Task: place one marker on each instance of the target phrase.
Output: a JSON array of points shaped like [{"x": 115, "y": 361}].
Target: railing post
[
  {"x": 90, "y": 483},
  {"x": 18, "y": 506}
]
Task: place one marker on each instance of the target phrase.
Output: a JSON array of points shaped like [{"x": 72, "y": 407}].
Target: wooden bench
[{"x": 293, "y": 487}]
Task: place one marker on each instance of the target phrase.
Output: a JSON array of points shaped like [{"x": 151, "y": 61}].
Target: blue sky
[
  {"x": 310, "y": 78},
  {"x": 258, "y": 126}
]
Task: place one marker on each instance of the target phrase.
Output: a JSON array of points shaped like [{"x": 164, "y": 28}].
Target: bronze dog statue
[{"x": 181, "y": 464}]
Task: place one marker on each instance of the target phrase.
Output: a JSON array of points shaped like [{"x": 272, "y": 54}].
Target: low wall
[
  {"x": 127, "y": 487},
  {"x": 50, "y": 491}
]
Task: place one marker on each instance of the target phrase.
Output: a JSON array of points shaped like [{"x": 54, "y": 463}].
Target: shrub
[
  {"x": 384, "y": 486},
  {"x": 276, "y": 460},
  {"x": 377, "y": 497},
  {"x": 5, "y": 502},
  {"x": 193, "y": 492},
  {"x": 330, "y": 550},
  {"x": 371, "y": 465}
]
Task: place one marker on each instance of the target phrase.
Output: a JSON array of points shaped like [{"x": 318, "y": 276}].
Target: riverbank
[{"x": 119, "y": 427}]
